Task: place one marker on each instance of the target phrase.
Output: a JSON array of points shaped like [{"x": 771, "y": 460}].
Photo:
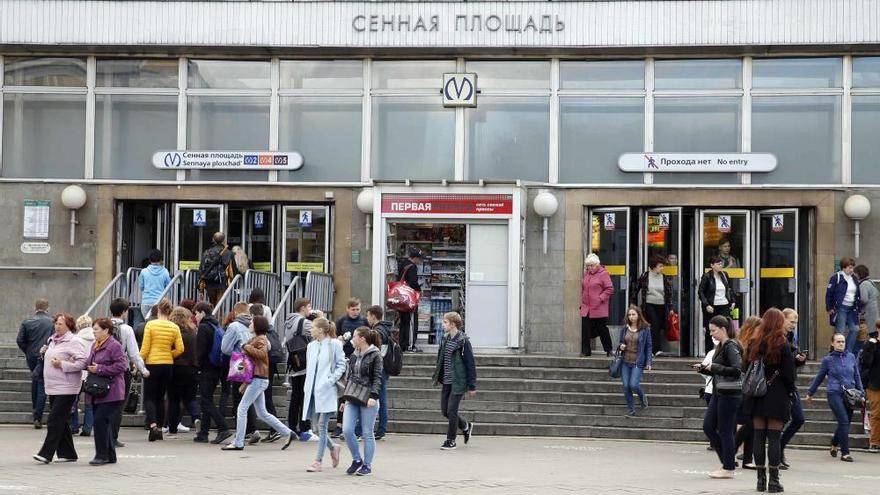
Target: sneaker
[
  {"x": 181, "y": 428},
  {"x": 658, "y": 353},
  {"x": 355, "y": 465},
  {"x": 221, "y": 436},
  {"x": 305, "y": 436},
  {"x": 752, "y": 466},
  {"x": 200, "y": 438},
  {"x": 255, "y": 438},
  {"x": 846, "y": 458},
  {"x": 378, "y": 436},
  {"x": 336, "y": 433},
  {"x": 630, "y": 414},
  {"x": 874, "y": 449},
  {"x": 164, "y": 429},
  {"x": 288, "y": 439},
  {"x": 721, "y": 474},
  {"x": 85, "y": 433},
  {"x": 39, "y": 458},
  {"x": 65, "y": 459},
  {"x": 314, "y": 467},
  {"x": 334, "y": 455},
  {"x": 98, "y": 462},
  {"x": 365, "y": 470},
  {"x": 37, "y": 424},
  {"x": 644, "y": 402},
  {"x": 273, "y": 436},
  {"x": 117, "y": 444},
  {"x": 468, "y": 433},
  {"x": 783, "y": 464},
  {"x": 448, "y": 445},
  {"x": 197, "y": 425}
]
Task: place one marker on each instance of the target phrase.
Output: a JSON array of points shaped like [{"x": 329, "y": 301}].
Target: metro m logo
[{"x": 459, "y": 90}]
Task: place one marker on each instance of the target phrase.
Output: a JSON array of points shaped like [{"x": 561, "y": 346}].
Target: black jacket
[
  {"x": 869, "y": 362},
  {"x": 412, "y": 275},
  {"x": 367, "y": 370},
  {"x": 204, "y": 343},
  {"x": 640, "y": 291},
  {"x": 706, "y": 290},
  {"x": 212, "y": 267},
  {"x": 384, "y": 329},
  {"x": 346, "y": 324},
  {"x": 726, "y": 363},
  {"x": 34, "y": 333}
]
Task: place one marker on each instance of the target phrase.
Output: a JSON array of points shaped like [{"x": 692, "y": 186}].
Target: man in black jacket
[
  {"x": 409, "y": 322},
  {"x": 375, "y": 321},
  {"x": 209, "y": 375},
  {"x": 32, "y": 335},
  {"x": 870, "y": 370},
  {"x": 212, "y": 268}
]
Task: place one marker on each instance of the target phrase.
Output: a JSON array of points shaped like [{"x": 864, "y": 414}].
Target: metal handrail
[
  {"x": 319, "y": 290},
  {"x": 294, "y": 291},
  {"x": 107, "y": 290},
  {"x": 190, "y": 287},
  {"x": 269, "y": 282},
  {"x": 170, "y": 287},
  {"x": 134, "y": 289},
  {"x": 226, "y": 301}
]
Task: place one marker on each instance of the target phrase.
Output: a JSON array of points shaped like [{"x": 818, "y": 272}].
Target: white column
[
  {"x": 181, "y": 111},
  {"x": 746, "y": 115},
  {"x": 274, "y": 102},
  {"x": 553, "y": 176},
  {"x": 846, "y": 125},
  {"x": 91, "y": 68},
  {"x": 649, "y": 113}
]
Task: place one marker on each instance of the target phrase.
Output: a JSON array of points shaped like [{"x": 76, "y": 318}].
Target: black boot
[
  {"x": 774, "y": 486},
  {"x": 762, "y": 478}
]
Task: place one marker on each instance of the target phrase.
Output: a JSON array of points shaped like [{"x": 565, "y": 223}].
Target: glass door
[
  {"x": 306, "y": 240},
  {"x": 195, "y": 225},
  {"x": 609, "y": 240},
  {"x": 777, "y": 259},
  {"x": 487, "y": 279},
  {"x": 259, "y": 241},
  {"x": 662, "y": 238}
]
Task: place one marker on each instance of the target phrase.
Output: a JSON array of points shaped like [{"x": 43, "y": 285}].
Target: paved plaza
[{"x": 414, "y": 464}]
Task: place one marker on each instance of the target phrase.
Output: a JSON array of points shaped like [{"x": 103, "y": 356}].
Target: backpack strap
[
  {"x": 300, "y": 325},
  {"x": 403, "y": 273}
]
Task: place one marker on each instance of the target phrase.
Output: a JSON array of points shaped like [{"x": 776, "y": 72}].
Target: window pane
[
  {"x": 698, "y": 74},
  {"x": 593, "y": 133},
  {"x": 128, "y": 130},
  {"x": 47, "y": 71},
  {"x": 322, "y": 74},
  {"x": 865, "y": 145},
  {"x": 413, "y": 138},
  {"x": 228, "y": 74},
  {"x": 227, "y": 123},
  {"x": 509, "y": 138},
  {"x": 602, "y": 74},
  {"x": 305, "y": 246},
  {"x": 511, "y": 75},
  {"x": 797, "y": 72},
  {"x": 414, "y": 74},
  {"x": 697, "y": 125},
  {"x": 804, "y": 134},
  {"x": 44, "y": 136},
  {"x": 132, "y": 73},
  {"x": 327, "y": 133},
  {"x": 866, "y": 72}
]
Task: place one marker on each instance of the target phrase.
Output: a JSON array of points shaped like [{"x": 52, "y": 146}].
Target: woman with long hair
[
  {"x": 746, "y": 434},
  {"x": 636, "y": 346},
  {"x": 770, "y": 412},
  {"x": 364, "y": 370},
  {"x": 325, "y": 364},
  {"x": 186, "y": 375},
  {"x": 162, "y": 344},
  {"x": 240, "y": 262}
]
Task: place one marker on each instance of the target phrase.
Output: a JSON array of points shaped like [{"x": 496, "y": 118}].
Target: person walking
[
  {"x": 720, "y": 420},
  {"x": 842, "y": 370},
  {"x": 635, "y": 344},
  {"x": 868, "y": 296},
  {"x": 596, "y": 291},
  {"x": 152, "y": 281},
  {"x": 214, "y": 268},
  {"x": 375, "y": 322},
  {"x": 241, "y": 264},
  {"x": 298, "y": 323},
  {"x": 162, "y": 344},
  {"x": 325, "y": 366},
  {"x": 257, "y": 349},
  {"x": 257, "y": 296},
  {"x": 408, "y": 272},
  {"x": 364, "y": 374},
  {"x": 800, "y": 359},
  {"x": 770, "y": 412},
  {"x": 745, "y": 434},
  {"x": 456, "y": 371},
  {"x": 86, "y": 338},
  {"x": 653, "y": 295},
  {"x": 212, "y": 369},
  {"x": 237, "y": 334},
  {"x": 869, "y": 360},
  {"x": 843, "y": 302},
  {"x": 33, "y": 334},
  {"x": 716, "y": 295},
  {"x": 125, "y": 334},
  {"x": 106, "y": 358},
  {"x": 185, "y": 384},
  {"x": 63, "y": 362}
]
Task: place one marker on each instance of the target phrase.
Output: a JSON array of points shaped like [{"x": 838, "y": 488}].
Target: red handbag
[
  {"x": 673, "y": 327},
  {"x": 402, "y": 297}
]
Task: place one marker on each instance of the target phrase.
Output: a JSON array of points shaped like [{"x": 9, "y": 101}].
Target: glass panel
[
  {"x": 509, "y": 138},
  {"x": 609, "y": 241},
  {"x": 134, "y": 73},
  {"x": 411, "y": 74},
  {"x": 662, "y": 231},
  {"x": 258, "y": 243},
  {"x": 593, "y": 133},
  {"x": 804, "y": 134},
  {"x": 865, "y": 145},
  {"x": 797, "y": 73},
  {"x": 305, "y": 244},
  {"x": 228, "y": 74},
  {"x": 44, "y": 136},
  {"x": 602, "y": 74},
  {"x": 327, "y": 132},
  {"x": 866, "y": 72},
  {"x": 128, "y": 130},
  {"x": 197, "y": 226},
  {"x": 322, "y": 74},
  {"x": 485, "y": 263},
  {"x": 698, "y": 74},
  {"x": 511, "y": 75},
  {"x": 46, "y": 71},
  {"x": 697, "y": 125},
  {"x": 725, "y": 235},
  {"x": 413, "y": 138},
  {"x": 227, "y": 123},
  {"x": 778, "y": 251},
  {"x": 234, "y": 226}
]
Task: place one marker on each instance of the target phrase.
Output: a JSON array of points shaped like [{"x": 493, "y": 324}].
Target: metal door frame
[
  {"x": 643, "y": 260},
  {"x": 245, "y": 238},
  {"x": 327, "y": 235},
  {"x": 175, "y": 229},
  {"x": 757, "y": 269},
  {"x": 588, "y": 243}
]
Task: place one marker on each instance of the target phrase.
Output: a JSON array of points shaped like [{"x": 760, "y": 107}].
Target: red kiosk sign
[{"x": 447, "y": 204}]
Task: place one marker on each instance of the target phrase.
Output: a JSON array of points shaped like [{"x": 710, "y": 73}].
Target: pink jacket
[
  {"x": 596, "y": 290},
  {"x": 66, "y": 380}
]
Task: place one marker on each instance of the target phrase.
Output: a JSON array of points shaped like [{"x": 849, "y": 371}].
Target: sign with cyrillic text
[
  {"x": 697, "y": 162},
  {"x": 446, "y": 204},
  {"x": 227, "y": 160}
]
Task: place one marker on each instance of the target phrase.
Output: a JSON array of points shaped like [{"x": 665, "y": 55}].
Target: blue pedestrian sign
[
  {"x": 258, "y": 219},
  {"x": 200, "y": 218},
  {"x": 305, "y": 218}
]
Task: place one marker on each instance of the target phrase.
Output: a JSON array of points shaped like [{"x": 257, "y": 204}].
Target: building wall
[{"x": 545, "y": 329}]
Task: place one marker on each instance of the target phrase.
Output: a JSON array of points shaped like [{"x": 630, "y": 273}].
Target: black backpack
[
  {"x": 392, "y": 355},
  {"x": 213, "y": 270},
  {"x": 276, "y": 351},
  {"x": 296, "y": 348}
]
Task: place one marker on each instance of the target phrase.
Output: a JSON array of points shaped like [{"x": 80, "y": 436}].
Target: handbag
[
  {"x": 673, "y": 327},
  {"x": 402, "y": 297},
  {"x": 354, "y": 391},
  {"x": 755, "y": 383},
  {"x": 615, "y": 365},
  {"x": 854, "y": 398},
  {"x": 97, "y": 385},
  {"x": 241, "y": 368},
  {"x": 727, "y": 385},
  {"x": 134, "y": 398}
]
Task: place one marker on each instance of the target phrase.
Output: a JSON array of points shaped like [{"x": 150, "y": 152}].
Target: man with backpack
[
  {"x": 297, "y": 334},
  {"x": 212, "y": 369},
  {"x": 392, "y": 360},
  {"x": 125, "y": 335},
  {"x": 214, "y": 268}
]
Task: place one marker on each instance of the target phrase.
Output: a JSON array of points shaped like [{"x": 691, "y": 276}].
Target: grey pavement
[{"x": 411, "y": 463}]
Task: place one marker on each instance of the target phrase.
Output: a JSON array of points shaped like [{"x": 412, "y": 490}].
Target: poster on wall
[
  {"x": 724, "y": 223},
  {"x": 778, "y": 224},
  {"x": 610, "y": 221},
  {"x": 36, "y": 219}
]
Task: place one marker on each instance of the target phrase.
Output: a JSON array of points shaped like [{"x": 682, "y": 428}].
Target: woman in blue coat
[
  {"x": 325, "y": 364},
  {"x": 635, "y": 346}
]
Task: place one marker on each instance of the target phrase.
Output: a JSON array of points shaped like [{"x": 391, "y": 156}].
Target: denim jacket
[
  {"x": 838, "y": 366},
  {"x": 645, "y": 356}
]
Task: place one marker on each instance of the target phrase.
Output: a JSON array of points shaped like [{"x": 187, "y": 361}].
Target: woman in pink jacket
[
  {"x": 64, "y": 359},
  {"x": 596, "y": 291}
]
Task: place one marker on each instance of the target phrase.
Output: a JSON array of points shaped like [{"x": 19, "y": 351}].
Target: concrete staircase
[{"x": 524, "y": 395}]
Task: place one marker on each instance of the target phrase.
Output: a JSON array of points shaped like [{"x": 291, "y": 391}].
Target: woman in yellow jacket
[{"x": 162, "y": 343}]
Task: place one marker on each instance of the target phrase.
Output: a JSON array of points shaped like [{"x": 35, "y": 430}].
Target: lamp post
[
  {"x": 545, "y": 205},
  {"x": 73, "y": 198},
  {"x": 365, "y": 204},
  {"x": 857, "y": 207}
]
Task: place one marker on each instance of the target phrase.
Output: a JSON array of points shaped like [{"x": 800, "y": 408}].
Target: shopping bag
[
  {"x": 402, "y": 297},
  {"x": 673, "y": 327}
]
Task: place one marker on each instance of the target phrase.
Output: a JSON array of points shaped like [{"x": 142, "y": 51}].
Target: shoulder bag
[
  {"x": 97, "y": 385},
  {"x": 355, "y": 392},
  {"x": 727, "y": 385},
  {"x": 402, "y": 297},
  {"x": 755, "y": 383},
  {"x": 854, "y": 398},
  {"x": 241, "y": 368}
]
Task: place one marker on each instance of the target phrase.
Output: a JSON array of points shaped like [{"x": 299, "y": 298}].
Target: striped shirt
[{"x": 453, "y": 345}]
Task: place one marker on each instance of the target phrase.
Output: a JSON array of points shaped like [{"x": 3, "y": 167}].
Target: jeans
[
  {"x": 59, "y": 438},
  {"x": 847, "y": 318},
  {"x": 631, "y": 375},
  {"x": 38, "y": 391},
  {"x": 367, "y": 417},
  {"x": 324, "y": 440},
  {"x": 797, "y": 420},
  {"x": 145, "y": 310},
  {"x": 843, "y": 415},
  {"x": 104, "y": 445},
  {"x": 383, "y": 405},
  {"x": 207, "y": 385},
  {"x": 449, "y": 404},
  {"x": 719, "y": 425},
  {"x": 253, "y": 394},
  {"x": 88, "y": 416}
]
